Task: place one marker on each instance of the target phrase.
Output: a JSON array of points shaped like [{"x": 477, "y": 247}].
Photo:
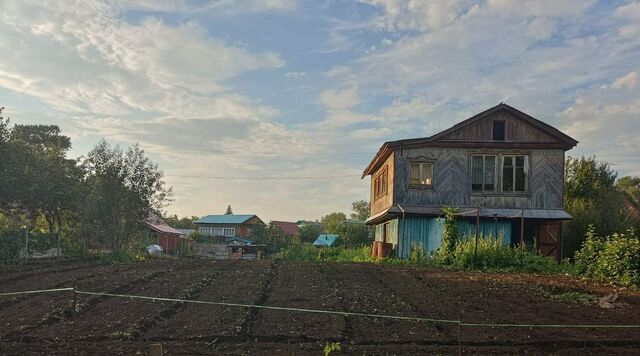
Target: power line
[{"x": 263, "y": 178}]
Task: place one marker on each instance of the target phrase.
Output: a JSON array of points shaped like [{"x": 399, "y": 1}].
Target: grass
[
  {"x": 565, "y": 296},
  {"x": 307, "y": 252}
]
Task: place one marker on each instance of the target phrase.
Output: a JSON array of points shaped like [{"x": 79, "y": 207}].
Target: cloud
[
  {"x": 86, "y": 62},
  {"x": 628, "y": 82},
  {"x": 541, "y": 28},
  {"x": 529, "y": 8},
  {"x": 336, "y": 99},
  {"x": 631, "y": 14},
  {"x": 414, "y": 15},
  {"x": 186, "y": 6},
  {"x": 295, "y": 75}
]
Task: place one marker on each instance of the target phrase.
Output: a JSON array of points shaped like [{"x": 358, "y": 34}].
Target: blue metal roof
[
  {"x": 325, "y": 240},
  {"x": 224, "y": 219}
]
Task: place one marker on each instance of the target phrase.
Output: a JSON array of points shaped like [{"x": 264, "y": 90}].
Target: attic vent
[{"x": 498, "y": 130}]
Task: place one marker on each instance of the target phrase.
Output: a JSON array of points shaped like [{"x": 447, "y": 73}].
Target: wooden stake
[
  {"x": 155, "y": 350},
  {"x": 475, "y": 250},
  {"x": 522, "y": 229}
]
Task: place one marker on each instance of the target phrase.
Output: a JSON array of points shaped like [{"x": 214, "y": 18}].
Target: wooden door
[{"x": 549, "y": 239}]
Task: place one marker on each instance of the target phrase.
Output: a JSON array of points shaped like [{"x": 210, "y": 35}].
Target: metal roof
[
  {"x": 155, "y": 223},
  {"x": 547, "y": 214},
  {"x": 224, "y": 219},
  {"x": 325, "y": 240}
]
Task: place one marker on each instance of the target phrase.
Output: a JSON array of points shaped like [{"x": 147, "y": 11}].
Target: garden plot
[{"x": 52, "y": 324}]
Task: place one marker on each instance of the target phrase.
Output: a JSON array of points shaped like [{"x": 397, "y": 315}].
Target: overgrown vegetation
[
  {"x": 449, "y": 237},
  {"x": 592, "y": 197},
  {"x": 99, "y": 201},
  {"x": 493, "y": 254},
  {"x": 308, "y": 252},
  {"x": 612, "y": 259}
]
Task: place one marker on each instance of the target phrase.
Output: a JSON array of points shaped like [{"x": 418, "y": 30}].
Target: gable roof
[
  {"x": 155, "y": 223},
  {"x": 224, "y": 219},
  {"x": 566, "y": 142},
  {"x": 289, "y": 228}
]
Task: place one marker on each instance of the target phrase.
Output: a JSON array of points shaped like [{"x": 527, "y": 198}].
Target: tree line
[{"x": 99, "y": 200}]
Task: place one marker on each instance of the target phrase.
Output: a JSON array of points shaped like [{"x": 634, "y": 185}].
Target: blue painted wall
[{"x": 426, "y": 232}]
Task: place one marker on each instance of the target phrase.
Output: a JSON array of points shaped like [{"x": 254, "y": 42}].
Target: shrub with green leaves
[
  {"x": 493, "y": 254},
  {"x": 449, "y": 237},
  {"x": 613, "y": 259}
]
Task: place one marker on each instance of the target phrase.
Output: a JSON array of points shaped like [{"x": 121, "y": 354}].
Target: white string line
[
  {"x": 319, "y": 311},
  {"x": 38, "y": 291}
]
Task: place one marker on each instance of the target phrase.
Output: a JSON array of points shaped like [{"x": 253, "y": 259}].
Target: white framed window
[
  {"x": 483, "y": 173},
  {"x": 515, "y": 169},
  {"x": 421, "y": 174},
  {"x": 229, "y": 232}
]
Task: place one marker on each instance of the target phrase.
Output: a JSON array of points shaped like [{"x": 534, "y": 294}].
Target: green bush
[
  {"x": 613, "y": 259},
  {"x": 449, "y": 237},
  {"x": 493, "y": 254}
]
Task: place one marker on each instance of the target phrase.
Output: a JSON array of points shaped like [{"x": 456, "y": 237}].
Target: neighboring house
[
  {"x": 229, "y": 226},
  {"x": 290, "y": 229},
  {"x": 499, "y": 167},
  {"x": 165, "y": 236}
]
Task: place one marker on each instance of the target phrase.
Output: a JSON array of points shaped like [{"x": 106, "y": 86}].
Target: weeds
[
  {"x": 331, "y": 347},
  {"x": 568, "y": 297},
  {"x": 306, "y": 252}
]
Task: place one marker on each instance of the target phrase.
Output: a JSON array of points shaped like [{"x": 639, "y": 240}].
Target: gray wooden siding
[{"x": 452, "y": 179}]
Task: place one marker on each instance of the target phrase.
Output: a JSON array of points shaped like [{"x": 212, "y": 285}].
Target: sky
[{"x": 286, "y": 101}]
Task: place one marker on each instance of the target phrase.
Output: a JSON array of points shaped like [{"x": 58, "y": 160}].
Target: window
[
  {"x": 514, "y": 173},
  {"x": 421, "y": 174},
  {"x": 498, "y": 130},
  {"x": 223, "y": 231},
  {"x": 483, "y": 173},
  {"x": 380, "y": 184}
]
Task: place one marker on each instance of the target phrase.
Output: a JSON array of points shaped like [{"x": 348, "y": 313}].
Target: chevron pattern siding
[
  {"x": 546, "y": 179},
  {"x": 452, "y": 182}
]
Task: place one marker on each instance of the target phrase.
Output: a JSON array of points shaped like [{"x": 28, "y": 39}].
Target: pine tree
[{"x": 229, "y": 211}]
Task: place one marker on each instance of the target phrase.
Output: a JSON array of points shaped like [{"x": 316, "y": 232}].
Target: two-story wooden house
[{"x": 502, "y": 169}]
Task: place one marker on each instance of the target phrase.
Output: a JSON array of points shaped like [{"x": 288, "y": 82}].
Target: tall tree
[
  {"x": 229, "y": 211},
  {"x": 361, "y": 210},
  {"x": 123, "y": 189},
  {"x": 332, "y": 222},
  {"x": 53, "y": 180}
]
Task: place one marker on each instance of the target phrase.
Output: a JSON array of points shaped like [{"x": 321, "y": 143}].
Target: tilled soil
[{"x": 61, "y": 324}]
